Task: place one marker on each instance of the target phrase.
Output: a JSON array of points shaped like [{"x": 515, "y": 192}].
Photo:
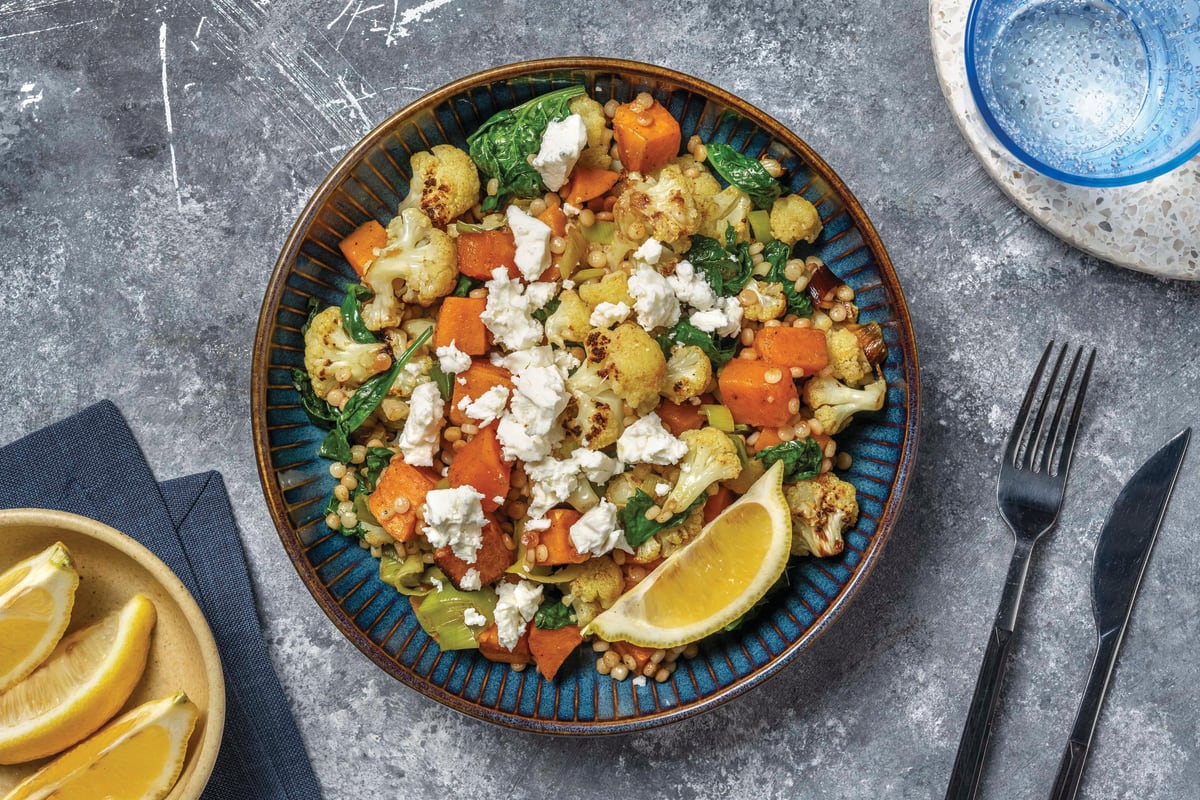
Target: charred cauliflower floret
[
  {"x": 596, "y": 587},
  {"x": 623, "y": 486},
  {"x": 834, "y": 404},
  {"x": 823, "y": 508},
  {"x": 769, "y": 302},
  {"x": 612, "y": 288},
  {"x": 418, "y": 265},
  {"x": 794, "y": 219},
  {"x": 711, "y": 456},
  {"x": 569, "y": 322},
  {"x": 594, "y": 414},
  {"x": 632, "y": 362},
  {"x": 704, "y": 186},
  {"x": 332, "y": 359},
  {"x": 730, "y": 207},
  {"x": 662, "y": 205},
  {"x": 445, "y": 184},
  {"x": 688, "y": 374},
  {"x": 846, "y": 357}
]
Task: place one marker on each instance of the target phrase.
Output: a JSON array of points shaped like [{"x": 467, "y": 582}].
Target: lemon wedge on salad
[
  {"x": 83, "y": 683},
  {"x": 36, "y": 597},
  {"x": 713, "y": 580},
  {"x": 138, "y": 757}
]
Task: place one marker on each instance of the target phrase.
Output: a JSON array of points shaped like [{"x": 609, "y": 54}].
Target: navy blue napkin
[{"x": 90, "y": 464}]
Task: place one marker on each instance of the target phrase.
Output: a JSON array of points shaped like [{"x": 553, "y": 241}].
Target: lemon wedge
[
  {"x": 36, "y": 597},
  {"x": 138, "y": 757},
  {"x": 86, "y": 680},
  {"x": 713, "y": 580}
]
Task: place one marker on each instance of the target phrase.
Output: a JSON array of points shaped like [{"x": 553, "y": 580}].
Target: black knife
[{"x": 1121, "y": 556}]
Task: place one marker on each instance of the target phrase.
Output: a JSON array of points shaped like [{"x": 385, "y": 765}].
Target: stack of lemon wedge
[{"x": 56, "y": 691}]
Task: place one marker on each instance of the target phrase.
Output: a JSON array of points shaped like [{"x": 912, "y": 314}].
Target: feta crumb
[
  {"x": 532, "y": 238},
  {"x": 650, "y": 251},
  {"x": 692, "y": 289},
  {"x": 540, "y": 524},
  {"x": 562, "y": 143},
  {"x": 486, "y": 408},
  {"x": 437, "y": 585},
  {"x": 661, "y": 489},
  {"x": 648, "y": 441},
  {"x": 568, "y": 284},
  {"x": 554, "y": 480},
  {"x": 454, "y": 518},
  {"x": 724, "y": 319},
  {"x": 654, "y": 299},
  {"x": 472, "y": 618},
  {"x": 508, "y": 313},
  {"x": 639, "y": 681},
  {"x": 530, "y": 429},
  {"x": 606, "y": 314},
  {"x": 517, "y": 604},
  {"x": 452, "y": 360},
  {"x": 597, "y": 531},
  {"x": 422, "y": 430},
  {"x": 470, "y": 580},
  {"x": 570, "y": 211}
]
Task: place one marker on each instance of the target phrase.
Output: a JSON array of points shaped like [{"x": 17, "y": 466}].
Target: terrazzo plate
[
  {"x": 183, "y": 655},
  {"x": 367, "y": 184},
  {"x": 1149, "y": 227}
]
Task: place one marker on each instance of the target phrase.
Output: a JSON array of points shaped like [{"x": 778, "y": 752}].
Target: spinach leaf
[
  {"x": 719, "y": 349},
  {"x": 377, "y": 460},
  {"x": 464, "y": 286},
  {"x": 726, "y": 270},
  {"x": 776, "y": 253},
  {"x": 801, "y": 459},
  {"x": 545, "y": 311},
  {"x": 745, "y": 173},
  {"x": 553, "y": 615},
  {"x": 502, "y": 145},
  {"x": 363, "y": 402},
  {"x": 444, "y": 381},
  {"x": 638, "y": 529},
  {"x": 314, "y": 308},
  {"x": 352, "y": 319},
  {"x": 319, "y": 412}
]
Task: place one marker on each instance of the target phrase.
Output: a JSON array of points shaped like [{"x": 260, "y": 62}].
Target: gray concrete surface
[{"x": 152, "y": 158}]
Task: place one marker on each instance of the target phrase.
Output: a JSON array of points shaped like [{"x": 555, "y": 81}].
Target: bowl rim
[
  {"x": 261, "y": 365},
  {"x": 214, "y": 711},
  {"x": 993, "y": 125}
]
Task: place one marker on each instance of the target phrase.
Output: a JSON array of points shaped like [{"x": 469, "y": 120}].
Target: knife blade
[{"x": 1117, "y": 568}]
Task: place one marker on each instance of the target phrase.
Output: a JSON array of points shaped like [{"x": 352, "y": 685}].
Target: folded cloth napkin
[{"x": 90, "y": 464}]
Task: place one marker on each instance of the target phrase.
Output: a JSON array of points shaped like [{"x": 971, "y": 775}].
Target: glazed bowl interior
[{"x": 368, "y": 184}]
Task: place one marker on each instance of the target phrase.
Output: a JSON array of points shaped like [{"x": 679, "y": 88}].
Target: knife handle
[
  {"x": 968, "y": 764},
  {"x": 1070, "y": 771}
]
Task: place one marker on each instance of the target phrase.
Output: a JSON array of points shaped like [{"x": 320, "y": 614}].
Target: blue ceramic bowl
[{"x": 367, "y": 184}]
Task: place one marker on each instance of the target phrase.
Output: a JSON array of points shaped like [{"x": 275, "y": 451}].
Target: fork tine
[
  {"x": 1018, "y": 428},
  {"x": 1035, "y": 433},
  {"x": 1050, "y": 451},
  {"x": 1064, "y": 463}
]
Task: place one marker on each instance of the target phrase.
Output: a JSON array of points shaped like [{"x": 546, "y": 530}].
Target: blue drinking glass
[{"x": 1089, "y": 92}]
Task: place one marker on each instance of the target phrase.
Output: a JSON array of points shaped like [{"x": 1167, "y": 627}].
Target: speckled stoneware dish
[
  {"x": 367, "y": 184},
  {"x": 183, "y": 656}
]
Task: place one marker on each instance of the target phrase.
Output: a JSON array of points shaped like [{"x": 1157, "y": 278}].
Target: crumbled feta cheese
[
  {"x": 509, "y": 310},
  {"x": 568, "y": 284},
  {"x": 692, "y": 289},
  {"x": 437, "y": 585},
  {"x": 654, "y": 299},
  {"x": 553, "y": 480},
  {"x": 470, "y": 580},
  {"x": 530, "y": 430},
  {"x": 597, "y": 531},
  {"x": 517, "y": 444},
  {"x": 452, "y": 360},
  {"x": 517, "y": 604},
  {"x": 473, "y": 619},
  {"x": 541, "y": 524},
  {"x": 532, "y": 238},
  {"x": 648, "y": 441},
  {"x": 723, "y": 319},
  {"x": 422, "y": 430},
  {"x": 650, "y": 251},
  {"x": 486, "y": 408},
  {"x": 639, "y": 681},
  {"x": 454, "y": 518},
  {"x": 570, "y": 211},
  {"x": 562, "y": 143},
  {"x": 661, "y": 489},
  {"x": 539, "y": 396},
  {"x": 606, "y": 314}
]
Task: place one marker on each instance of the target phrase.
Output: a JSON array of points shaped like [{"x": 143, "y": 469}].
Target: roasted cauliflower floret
[
  {"x": 711, "y": 456},
  {"x": 794, "y": 219},
  {"x": 660, "y": 205},
  {"x": 599, "y": 135},
  {"x": 569, "y": 322},
  {"x": 332, "y": 359},
  {"x": 612, "y": 288},
  {"x": 846, "y": 357},
  {"x": 595, "y": 588},
  {"x": 823, "y": 508},
  {"x": 769, "y": 302},
  {"x": 623, "y": 486},
  {"x": 632, "y": 362},
  {"x": 412, "y": 375},
  {"x": 688, "y": 374},
  {"x": 834, "y": 403},
  {"x": 730, "y": 207},
  {"x": 667, "y": 541},
  {"x": 445, "y": 184},
  {"x": 594, "y": 414},
  {"x": 418, "y": 265},
  {"x": 704, "y": 185}
]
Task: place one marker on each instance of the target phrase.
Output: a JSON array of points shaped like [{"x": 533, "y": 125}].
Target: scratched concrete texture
[{"x": 153, "y": 157}]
